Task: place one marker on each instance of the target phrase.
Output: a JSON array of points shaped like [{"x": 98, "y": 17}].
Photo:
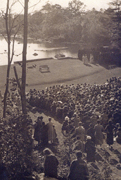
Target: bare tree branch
[
  {"x": 21, "y": 3},
  {"x": 14, "y": 2},
  {"x": 35, "y": 4},
  {"x": 12, "y": 25},
  {"x": 14, "y": 42},
  {"x": 6, "y": 19}
]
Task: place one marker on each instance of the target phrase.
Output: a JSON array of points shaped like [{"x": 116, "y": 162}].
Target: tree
[
  {"x": 95, "y": 30},
  {"x": 115, "y": 13},
  {"x": 23, "y": 86},
  {"x": 76, "y": 7},
  {"x": 16, "y": 145},
  {"x": 10, "y": 25}
]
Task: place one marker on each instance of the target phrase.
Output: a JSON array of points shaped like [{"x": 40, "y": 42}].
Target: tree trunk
[
  {"x": 23, "y": 88},
  {"x": 7, "y": 81}
]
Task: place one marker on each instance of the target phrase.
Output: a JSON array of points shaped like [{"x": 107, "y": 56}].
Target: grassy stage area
[{"x": 45, "y": 73}]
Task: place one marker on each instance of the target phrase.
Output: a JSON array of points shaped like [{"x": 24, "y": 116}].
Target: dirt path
[
  {"x": 55, "y": 123},
  {"x": 61, "y": 150}
]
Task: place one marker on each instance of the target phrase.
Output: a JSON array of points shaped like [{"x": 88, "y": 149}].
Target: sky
[{"x": 37, "y": 4}]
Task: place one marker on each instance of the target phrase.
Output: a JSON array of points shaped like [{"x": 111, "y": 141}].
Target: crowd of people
[
  {"x": 86, "y": 101},
  {"x": 83, "y": 143},
  {"x": 78, "y": 167},
  {"x": 89, "y": 114}
]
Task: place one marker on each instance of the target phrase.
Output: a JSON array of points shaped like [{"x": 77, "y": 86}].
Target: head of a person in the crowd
[
  {"x": 49, "y": 119},
  {"x": 80, "y": 123},
  {"x": 88, "y": 138},
  {"x": 79, "y": 154},
  {"x": 47, "y": 151},
  {"x": 40, "y": 118},
  {"x": 117, "y": 125},
  {"x": 110, "y": 122},
  {"x": 43, "y": 123},
  {"x": 66, "y": 118}
]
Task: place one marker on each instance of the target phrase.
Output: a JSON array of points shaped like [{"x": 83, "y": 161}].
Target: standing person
[
  {"x": 75, "y": 119},
  {"x": 44, "y": 134},
  {"x": 90, "y": 149},
  {"x": 91, "y": 132},
  {"x": 51, "y": 132},
  {"x": 109, "y": 130},
  {"x": 65, "y": 129},
  {"x": 50, "y": 164},
  {"x": 78, "y": 169},
  {"x": 98, "y": 133},
  {"x": 80, "y": 132},
  {"x": 37, "y": 130}
]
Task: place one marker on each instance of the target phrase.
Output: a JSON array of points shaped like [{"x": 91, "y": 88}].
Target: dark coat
[
  {"x": 44, "y": 135},
  {"x": 109, "y": 130},
  {"x": 90, "y": 150},
  {"x": 50, "y": 166},
  {"x": 78, "y": 170}
]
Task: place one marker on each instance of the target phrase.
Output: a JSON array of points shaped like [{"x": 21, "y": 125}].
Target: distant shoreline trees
[{"x": 75, "y": 24}]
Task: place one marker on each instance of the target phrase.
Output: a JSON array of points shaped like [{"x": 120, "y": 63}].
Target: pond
[{"x": 37, "y": 50}]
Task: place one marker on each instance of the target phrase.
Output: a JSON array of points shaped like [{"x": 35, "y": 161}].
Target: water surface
[{"x": 37, "y": 50}]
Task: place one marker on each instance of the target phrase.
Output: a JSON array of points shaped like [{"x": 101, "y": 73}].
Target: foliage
[
  {"x": 75, "y": 24},
  {"x": 96, "y": 28},
  {"x": 16, "y": 145},
  {"x": 72, "y": 24},
  {"x": 76, "y": 7},
  {"x": 114, "y": 12}
]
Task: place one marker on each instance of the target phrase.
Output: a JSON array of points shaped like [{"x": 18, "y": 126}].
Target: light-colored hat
[
  {"x": 88, "y": 137},
  {"x": 47, "y": 151},
  {"x": 66, "y": 118}
]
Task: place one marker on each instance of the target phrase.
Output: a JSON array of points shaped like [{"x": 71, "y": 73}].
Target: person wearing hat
[
  {"x": 91, "y": 132},
  {"x": 65, "y": 129},
  {"x": 50, "y": 164},
  {"x": 37, "y": 129},
  {"x": 109, "y": 130},
  {"x": 80, "y": 132},
  {"x": 98, "y": 133},
  {"x": 51, "y": 132},
  {"x": 78, "y": 169},
  {"x": 90, "y": 149}
]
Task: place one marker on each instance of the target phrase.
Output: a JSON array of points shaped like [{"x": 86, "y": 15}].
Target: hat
[
  {"x": 47, "y": 151},
  {"x": 88, "y": 137},
  {"x": 66, "y": 118}
]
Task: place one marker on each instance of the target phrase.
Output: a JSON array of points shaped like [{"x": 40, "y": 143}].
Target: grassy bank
[{"x": 45, "y": 73}]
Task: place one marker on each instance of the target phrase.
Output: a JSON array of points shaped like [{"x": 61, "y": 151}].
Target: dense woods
[{"x": 75, "y": 24}]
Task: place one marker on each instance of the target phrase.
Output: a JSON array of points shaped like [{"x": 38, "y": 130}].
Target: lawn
[{"x": 45, "y": 73}]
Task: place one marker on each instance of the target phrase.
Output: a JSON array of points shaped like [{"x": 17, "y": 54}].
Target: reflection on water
[{"x": 36, "y": 50}]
